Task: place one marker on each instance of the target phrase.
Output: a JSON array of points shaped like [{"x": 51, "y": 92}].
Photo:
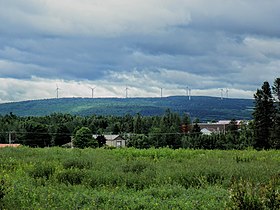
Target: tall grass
[{"x": 56, "y": 178}]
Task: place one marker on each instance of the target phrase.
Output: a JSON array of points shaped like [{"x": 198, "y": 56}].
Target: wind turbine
[
  {"x": 227, "y": 93},
  {"x": 222, "y": 92},
  {"x": 92, "y": 91},
  {"x": 126, "y": 92},
  {"x": 190, "y": 93},
  {"x": 187, "y": 91},
  {"x": 57, "y": 90}
]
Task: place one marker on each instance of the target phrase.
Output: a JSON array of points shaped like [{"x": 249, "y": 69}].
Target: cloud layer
[{"x": 146, "y": 45}]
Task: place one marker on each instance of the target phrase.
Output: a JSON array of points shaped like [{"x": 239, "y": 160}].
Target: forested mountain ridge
[{"x": 202, "y": 107}]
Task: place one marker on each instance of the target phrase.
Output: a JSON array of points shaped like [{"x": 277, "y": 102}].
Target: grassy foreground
[{"x": 56, "y": 178}]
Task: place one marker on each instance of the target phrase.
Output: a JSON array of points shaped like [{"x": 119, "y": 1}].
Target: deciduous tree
[{"x": 83, "y": 138}]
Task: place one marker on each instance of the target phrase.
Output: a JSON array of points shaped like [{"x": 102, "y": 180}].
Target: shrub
[
  {"x": 2, "y": 188},
  {"x": 83, "y": 138},
  {"x": 42, "y": 170},
  {"x": 135, "y": 167},
  {"x": 246, "y": 195},
  {"x": 70, "y": 176},
  {"x": 76, "y": 163}
]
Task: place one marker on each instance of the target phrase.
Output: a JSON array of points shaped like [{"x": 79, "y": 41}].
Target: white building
[{"x": 113, "y": 140}]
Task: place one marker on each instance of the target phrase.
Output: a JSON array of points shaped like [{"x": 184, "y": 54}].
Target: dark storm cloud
[{"x": 207, "y": 45}]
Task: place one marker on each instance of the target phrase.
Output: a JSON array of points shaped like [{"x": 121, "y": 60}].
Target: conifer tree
[
  {"x": 263, "y": 116},
  {"x": 275, "y": 135}
]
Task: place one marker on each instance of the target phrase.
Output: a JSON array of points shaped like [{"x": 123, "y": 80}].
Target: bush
[
  {"x": 135, "y": 167},
  {"x": 76, "y": 163},
  {"x": 246, "y": 195},
  {"x": 42, "y": 170},
  {"x": 2, "y": 188},
  {"x": 83, "y": 138},
  {"x": 70, "y": 176}
]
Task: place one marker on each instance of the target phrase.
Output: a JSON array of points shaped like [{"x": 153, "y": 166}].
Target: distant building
[
  {"x": 217, "y": 127},
  {"x": 9, "y": 145},
  {"x": 113, "y": 140},
  {"x": 205, "y": 131}
]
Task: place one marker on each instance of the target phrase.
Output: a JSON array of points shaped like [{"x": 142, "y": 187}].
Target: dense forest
[
  {"x": 168, "y": 130},
  {"x": 202, "y": 107}
]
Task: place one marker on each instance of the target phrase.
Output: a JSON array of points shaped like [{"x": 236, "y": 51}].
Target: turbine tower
[
  {"x": 187, "y": 91},
  {"x": 126, "y": 92},
  {"x": 222, "y": 93},
  {"x": 57, "y": 90},
  {"x": 92, "y": 91},
  {"x": 161, "y": 92},
  {"x": 190, "y": 93},
  {"x": 227, "y": 92}
]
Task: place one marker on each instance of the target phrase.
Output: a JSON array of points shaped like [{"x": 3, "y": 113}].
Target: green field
[{"x": 56, "y": 178}]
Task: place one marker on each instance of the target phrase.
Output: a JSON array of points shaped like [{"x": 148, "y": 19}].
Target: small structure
[
  {"x": 205, "y": 131},
  {"x": 113, "y": 140},
  {"x": 9, "y": 145},
  {"x": 217, "y": 127}
]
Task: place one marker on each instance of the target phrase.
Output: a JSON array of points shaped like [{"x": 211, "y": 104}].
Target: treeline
[{"x": 169, "y": 130}]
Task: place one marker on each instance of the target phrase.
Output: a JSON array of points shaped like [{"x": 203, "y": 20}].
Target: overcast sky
[{"x": 142, "y": 44}]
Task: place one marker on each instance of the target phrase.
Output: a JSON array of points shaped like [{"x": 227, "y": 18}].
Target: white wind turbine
[
  {"x": 187, "y": 91},
  {"x": 92, "y": 91},
  {"x": 227, "y": 92},
  {"x": 57, "y": 90},
  {"x": 222, "y": 93},
  {"x": 126, "y": 92}
]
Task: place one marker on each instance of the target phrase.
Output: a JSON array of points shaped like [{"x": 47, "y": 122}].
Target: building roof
[
  {"x": 226, "y": 122},
  {"x": 9, "y": 145},
  {"x": 107, "y": 137},
  {"x": 205, "y": 131}
]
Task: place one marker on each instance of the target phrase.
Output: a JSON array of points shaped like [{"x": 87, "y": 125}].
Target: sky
[{"x": 142, "y": 45}]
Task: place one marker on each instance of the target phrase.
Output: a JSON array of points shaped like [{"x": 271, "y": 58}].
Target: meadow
[{"x": 57, "y": 178}]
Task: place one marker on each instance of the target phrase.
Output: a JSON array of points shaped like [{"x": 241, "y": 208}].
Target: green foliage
[
  {"x": 62, "y": 135},
  {"x": 215, "y": 109},
  {"x": 2, "y": 188},
  {"x": 83, "y": 138},
  {"x": 79, "y": 163},
  {"x": 36, "y": 134},
  {"x": 267, "y": 116},
  {"x": 70, "y": 176},
  {"x": 169, "y": 130},
  {"x": 42, "y": 170},
  {"x": 247, "y": 195},
  {"x": 135, "y": 167},
  {"x": 101, "y": 140},
  {"x": 57, "y": 178},
  {"x": 263, "y": 116}
]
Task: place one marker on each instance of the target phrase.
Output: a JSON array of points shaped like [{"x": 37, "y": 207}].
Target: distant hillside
[{"x": 202, "y": 107}]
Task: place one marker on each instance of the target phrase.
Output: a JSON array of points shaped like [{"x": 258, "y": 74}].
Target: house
[
  {"x": 213, "y": 127},
  {"x": 217, "y": 127},
  {"x": 205, "y": 131},
  {"x": 113, "y": 140},
  {"x": 9, "y": 145}
]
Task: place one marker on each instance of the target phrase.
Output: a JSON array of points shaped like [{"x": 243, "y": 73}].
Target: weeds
[
  {"x": 42, "y": 170},
  {"x": 56, "y": 178},
  {"x": 247, "y": 195}
]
